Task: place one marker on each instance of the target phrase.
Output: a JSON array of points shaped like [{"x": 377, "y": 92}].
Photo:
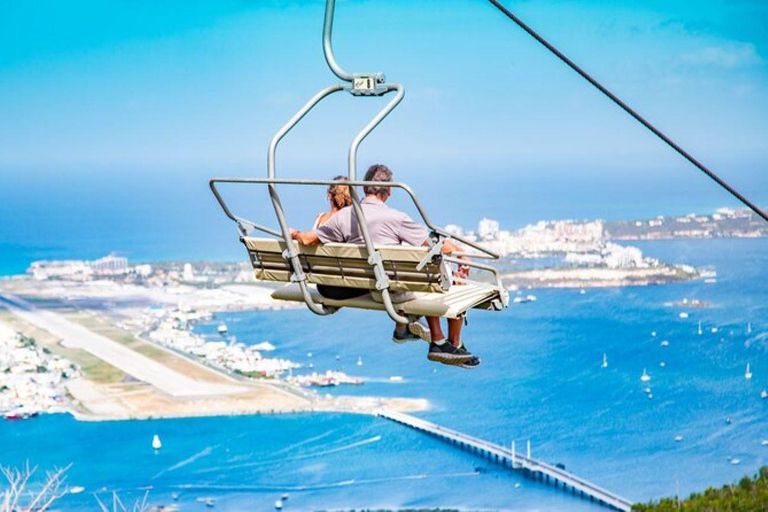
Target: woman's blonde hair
[{"x": 339, "y": 194}]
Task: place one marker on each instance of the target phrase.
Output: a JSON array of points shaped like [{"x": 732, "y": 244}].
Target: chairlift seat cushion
[
  {"x": 450, "y": 304},
  {"x": 346, "y": 265}
]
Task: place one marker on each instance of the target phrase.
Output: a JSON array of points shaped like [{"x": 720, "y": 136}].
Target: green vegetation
[
  {"x": 403, "y": 510},
  {"x": 750, "y": 494}
]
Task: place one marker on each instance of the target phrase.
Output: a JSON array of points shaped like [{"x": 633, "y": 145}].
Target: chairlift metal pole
[
  {"x": 330, "y": 6},
  {"x": 291, "y": 252},
  {"x": 373, "y": 84},
  {"x": 374, "y": 257}
]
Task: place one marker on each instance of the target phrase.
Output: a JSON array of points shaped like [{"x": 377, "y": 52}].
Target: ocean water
[{"x": 540, "y": 380}]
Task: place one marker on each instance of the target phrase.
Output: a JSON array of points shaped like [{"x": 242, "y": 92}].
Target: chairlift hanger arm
[
  {"x": 361, "y": 84},
  {"x": 560, "y": 55}
]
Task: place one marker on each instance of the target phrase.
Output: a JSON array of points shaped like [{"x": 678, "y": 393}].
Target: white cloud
[{"x": 732, "y": 55}]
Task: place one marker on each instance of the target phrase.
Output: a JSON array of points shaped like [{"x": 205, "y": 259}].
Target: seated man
[{"x": 388, "y": 226}]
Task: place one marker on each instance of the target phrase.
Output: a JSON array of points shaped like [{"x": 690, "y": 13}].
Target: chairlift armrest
[{"x": 435, "y": 251}]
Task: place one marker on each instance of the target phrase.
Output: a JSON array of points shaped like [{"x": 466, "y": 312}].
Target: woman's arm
[{"x": 305, "y": 237}]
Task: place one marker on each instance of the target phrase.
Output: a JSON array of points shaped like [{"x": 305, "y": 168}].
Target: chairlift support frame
[{"x": 359, "y": 85}]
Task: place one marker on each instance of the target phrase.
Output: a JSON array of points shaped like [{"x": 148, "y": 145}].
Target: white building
[{"x": 110, "y": 265}]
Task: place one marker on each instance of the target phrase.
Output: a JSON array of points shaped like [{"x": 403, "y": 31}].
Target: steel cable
[{"x": 735, "y": 193}]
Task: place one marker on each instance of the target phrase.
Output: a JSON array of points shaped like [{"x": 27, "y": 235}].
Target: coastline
[{"x": 125, "y": 375}]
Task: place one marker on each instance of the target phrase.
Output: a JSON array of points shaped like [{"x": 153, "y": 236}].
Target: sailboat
[
  {"x": 747, "y": 373},
  {"x": 359, "y": 361},
  {"x": 605, "y": 362},
  {"x": 749, "y": 327},
  {"x": 156, "y": 444},
  {"x": 700, "y": 331},
  {"x": 645, "y": 377}
]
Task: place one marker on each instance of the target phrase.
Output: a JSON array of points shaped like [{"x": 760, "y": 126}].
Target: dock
[{"x": 506, "y": 457}]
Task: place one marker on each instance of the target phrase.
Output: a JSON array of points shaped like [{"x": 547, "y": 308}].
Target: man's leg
[
  {"x": 434, "y": 328},
  {"x": 454, "y": 330},
  {"x": 440, "y": 350},
  {"x": 454, "y": 336}
]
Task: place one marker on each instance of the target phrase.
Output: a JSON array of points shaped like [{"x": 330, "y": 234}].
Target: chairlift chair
[{"x": 424, "y": 271}]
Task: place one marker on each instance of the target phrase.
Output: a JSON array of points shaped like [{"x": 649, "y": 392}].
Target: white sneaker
[{"x": 420, "y": 329}]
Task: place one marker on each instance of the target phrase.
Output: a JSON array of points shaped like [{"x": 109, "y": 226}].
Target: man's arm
[{"x": 305, "y": 237}]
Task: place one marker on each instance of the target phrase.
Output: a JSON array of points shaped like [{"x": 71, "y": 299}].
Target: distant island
[{"x": 582, "y": 254}]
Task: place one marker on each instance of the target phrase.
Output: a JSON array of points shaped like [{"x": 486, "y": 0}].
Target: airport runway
[{"x": 130, "y": 362}]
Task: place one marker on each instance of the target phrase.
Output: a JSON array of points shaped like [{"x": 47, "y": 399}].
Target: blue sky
[{"x": 190, "y": 89}]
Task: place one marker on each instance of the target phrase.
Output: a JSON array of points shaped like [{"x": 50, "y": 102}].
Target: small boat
[
  {"x": 156, "y": 444},
  {"x": 683, "y": 314},
  {"x": 76, "y": 489},
  {"x": 284, "y": 496},
  {"x": 19, "y": 415},
  {"x": 222, "y": 328},
  {"x": 525, "y": 299},
  {"x": 713, "y": 330},
  {"x": 663, "y": 364},
  {"x": 647, "y": 391},
  {"x": 665, "y": 343},
  {"x": 650, "y": 395},
  {"x": 175, "y": 496},
  {"x": 653, "y": 334},
  {"x": 728, "y": 421},
  {"x": 678, "y": 439},
  {"x": 710, "y": 280},
  {"x": 749, "y": 327},
  {"x": 359, "y": 361},
  {"x": 764, "y": 394},
  {"x": 735, "y": 462},
  {"x": 309, "y": 354},
  {"x": 279, "y": 505},
  {"x": 699, "y": 331},
  {"x": 604, "y": 364},
  {"x": 582, "y": 291},
  {"x": 208, "y": 502},
  {"x": 747, "y": 373},
  {"x": 396, "y": 378},
  {"x": 645, "y": 377},
  {"x": 764, "y": 442}
]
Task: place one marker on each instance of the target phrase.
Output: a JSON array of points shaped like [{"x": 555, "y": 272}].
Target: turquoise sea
[{"x": 541, "y": 380}]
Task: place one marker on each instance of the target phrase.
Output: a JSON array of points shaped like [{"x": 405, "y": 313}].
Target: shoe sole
[
  {"x": 401, "y": 341},
  {"x": 449, "y": 359},
  {"x": 467, "y": 367},
  {"x": 419, "y": 330}
]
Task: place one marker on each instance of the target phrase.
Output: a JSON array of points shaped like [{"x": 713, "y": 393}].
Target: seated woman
[{"x": 338, "y": 197}]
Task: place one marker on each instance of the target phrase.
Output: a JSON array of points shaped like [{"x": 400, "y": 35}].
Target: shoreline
[{"x": 125, "y": 374}]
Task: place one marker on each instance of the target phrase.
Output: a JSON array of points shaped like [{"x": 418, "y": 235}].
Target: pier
[{"x": 509, "y": 458}]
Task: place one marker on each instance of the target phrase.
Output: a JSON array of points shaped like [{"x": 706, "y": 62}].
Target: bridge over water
[{"x": 528, "y": 466}]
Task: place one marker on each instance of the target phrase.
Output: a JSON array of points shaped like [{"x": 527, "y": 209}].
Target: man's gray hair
[{"x": 378, "y": 172}]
